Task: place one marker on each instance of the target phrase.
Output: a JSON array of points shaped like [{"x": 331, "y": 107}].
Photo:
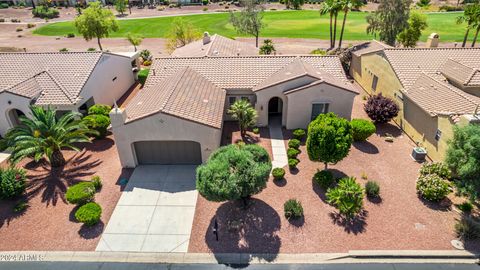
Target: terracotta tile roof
[
  {"x": 409, "y": 64},
  {"x": 61, "y": 75},
  {"x": 244, "y": 72},
  {"x": 462, "y": 73},
  {"x": 218, "y": 46},
  {"x": 439, "y": 97},
  {"x": 369, "y": 47},
  {"x": 185, "y": 94}
]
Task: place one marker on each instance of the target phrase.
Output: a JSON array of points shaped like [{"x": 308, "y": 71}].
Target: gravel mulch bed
[
  {"x": 399, "y": 220},
  {"x": 49, "y": 222}
]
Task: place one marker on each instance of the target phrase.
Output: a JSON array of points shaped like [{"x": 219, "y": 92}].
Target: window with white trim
[{"x": 319, "y": 108}]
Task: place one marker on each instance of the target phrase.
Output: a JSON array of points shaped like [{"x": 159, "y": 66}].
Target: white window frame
[{"x": 326, "y": 107}]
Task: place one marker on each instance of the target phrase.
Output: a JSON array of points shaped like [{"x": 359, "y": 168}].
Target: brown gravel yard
[
  {"x": 48, "y": 224},
  {"x": 400, "y": 220}
]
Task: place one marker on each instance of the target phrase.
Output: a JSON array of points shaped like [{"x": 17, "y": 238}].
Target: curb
[{"x": 354, "y": 256}]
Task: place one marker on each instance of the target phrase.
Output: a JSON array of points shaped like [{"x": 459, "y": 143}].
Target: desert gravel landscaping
[{"x": 399, "y": 220}]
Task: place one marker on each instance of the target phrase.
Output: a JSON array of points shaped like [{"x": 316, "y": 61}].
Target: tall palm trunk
[
  {"x": 331, "y": 32},
  {"x": 57, "y": 159},
  {"x": 335, "y": 29},
  {"x": 465, "y": 37},
  {"x": 475, "y": 37},
  {"x": 343, "y": 27}
]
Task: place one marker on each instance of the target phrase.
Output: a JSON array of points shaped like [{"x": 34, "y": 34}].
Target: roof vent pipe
[{"x": 206, "y": 38}]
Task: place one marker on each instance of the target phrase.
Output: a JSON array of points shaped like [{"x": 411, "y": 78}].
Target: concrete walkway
[
  {"x": 280, "y": 158},
  {"x": 155, "y": 212}
]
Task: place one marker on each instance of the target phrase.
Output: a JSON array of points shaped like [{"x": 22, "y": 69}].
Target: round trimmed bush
[
  {"x": 324, "y": 179},
  {"x": 381, "y": 109},
  {"x": 100, "y": 109},
  {"x": 294, "y": 143},
  {"x": 299, "y": 134},
  {"x": 80, "y": 193},
  {"x": 278, "y": 173},
  {"x": 372, "y": 189},
  {"x": 292, "y": 152},
  {"x": 432, "y": 187},
  {"x": 293, "y": 209},
  {"x": 292, "y": 163},
  {"x": 362, "y": 129},
  {"x": 89, "y": 214},
  {"x": 98, "y": 122},
  {"x": 12, "y": 182}
]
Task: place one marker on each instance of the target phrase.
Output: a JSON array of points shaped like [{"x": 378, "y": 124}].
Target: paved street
[{"x": 155, "y": 211}]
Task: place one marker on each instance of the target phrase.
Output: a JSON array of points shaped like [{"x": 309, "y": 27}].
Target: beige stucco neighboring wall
[
  {"x": 160, "y": 127},
  {"x": 9, "y": 102}
]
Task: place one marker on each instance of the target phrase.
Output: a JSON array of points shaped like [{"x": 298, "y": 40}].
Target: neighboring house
[
  {"x": 177, "y": 117},
  {"x": 436, "y": 88},
  {"x": 66, "y": 81},
  {"x": 62, "y": 3},
  {"x": 215, "y": 45}
]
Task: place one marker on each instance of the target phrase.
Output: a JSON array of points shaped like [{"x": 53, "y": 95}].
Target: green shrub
[
  {"x": 100, "y": 109},
  {"x": 146, "y": 55},
  {"x": 2, "y": 20},
  {"x": 278, "y": 173},
  {"x": 204, "y": 2},
  {"x": 30, "y": 25},
  {"x": 20, "y": 207},
  {"x": 292, "y": 152},
  {"x": 432, "y": 187},
  {"x": 437, "y": 168},
  {"x": 372, "y": 189},
  {"x": 80, "y": 193},
  {"x": 142, "y": 76},
  {"x": 256, "y": 130},
  {"x": 468, "y": 228},
  {"x": 45, "y": 12},
  {"x": 205, "y": 9},
  {"x": 324, "y": 179},
  {"x": 15, "y": 20},
  {"x": 292, "y": 163},
  {"x": 70, "y": 35},
  {"x": 97, "y": 182},
  {"x": 19, "y": 29},
  {"x": 12, "y": 182},
  {"x": 319, "y": 52},
  {"x": 91, "y": 50},
  {"x": 294, "y": 143},
  {"x": 63, "y": 50},
  {"x": 293, "y": 209},
  {"x": 299, "y": 134},
  {"x": 99, "y": 123},
  {"x": 347, "y": 197},
  {"x": 3, "y": 5},
  {"x": 89, "y": 214},
  {"x": 465, "y": 207},
  {"x": 362, "y": 129}
]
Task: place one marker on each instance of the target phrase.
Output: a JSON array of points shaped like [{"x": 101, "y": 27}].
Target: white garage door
[{"x": 168, "y": 152}]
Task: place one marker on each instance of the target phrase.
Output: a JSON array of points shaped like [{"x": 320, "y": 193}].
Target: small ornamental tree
[
  {"x": 329, "y": 139},
  {"x": 234, "y": 172},
  {"x": 267, "y": 47},
  {"x": 244, "y": 113},
  {"x": 381, "y": 109},
  {"x": 120, "y": 6}
]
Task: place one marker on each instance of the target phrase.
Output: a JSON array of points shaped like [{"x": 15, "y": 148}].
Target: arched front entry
[
  {"x": 275, "y": 110},
  {"x": 14, "y": 117}
]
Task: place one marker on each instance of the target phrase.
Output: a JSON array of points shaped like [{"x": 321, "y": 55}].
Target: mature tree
[
  {"x": 181, "y": 33},
  {"x": 390, "y": 19},
  {"x": 410, "y": 35},
  {"x": 244, "y": 113},
  {"x": 96, "y": 22},
  {"x": 348, "y": 5},
  {"x": 373, "y": 22},
  {"x": 476, "y": 23},
  {"x": 329, "y": 139},
  {"x": 331, "y": 7},
  {"x": 296, "y": 4},
  {"x": 470, "y": 16},
  {"x": 135, "y": 40},
  {"x": 463, "y": 158},
  {"x": 381, "y": 109},
  {"x": 44, "y": 135},
  {"x": 267, "y": 47},
  {"x": 249, "y": 19},
  {"x": 234, "y": 172},
  {"x": 120, "y": 6}
]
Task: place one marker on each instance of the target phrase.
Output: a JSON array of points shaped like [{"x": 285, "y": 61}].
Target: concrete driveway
[{"x": 155, "y": 211}]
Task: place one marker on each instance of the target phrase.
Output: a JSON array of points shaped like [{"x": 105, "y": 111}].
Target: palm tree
[
  {"x": 331, "y": 7},
  {"x": 476, "y": 23},
  {"x": 470, "y": 16},
  {"x": 135, "y": 40},
  {"x": 244, "y": 113},
  {"x": 347, "y": 5},
  {"x": 44, "y": 135}
]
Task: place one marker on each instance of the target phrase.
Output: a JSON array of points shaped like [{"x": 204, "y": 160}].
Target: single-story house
[
  {"x": 66, "y": 81},
  {"x": 436, "y": 88},
  {"x": 215, "y": 45},
  {"x": 177, "y": 118}
]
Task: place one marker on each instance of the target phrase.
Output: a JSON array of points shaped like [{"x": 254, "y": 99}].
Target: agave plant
[
  {"x": 347, "y": 197},
  {"x": 44, "y": 135}
]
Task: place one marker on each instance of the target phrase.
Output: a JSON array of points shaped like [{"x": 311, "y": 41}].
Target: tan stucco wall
[
  {"x": 161, "y": 127},
  {"x": 16, "y": 102}
]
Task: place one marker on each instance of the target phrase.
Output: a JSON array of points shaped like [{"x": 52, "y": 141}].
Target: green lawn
[{"x": 292, "y": 24}]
